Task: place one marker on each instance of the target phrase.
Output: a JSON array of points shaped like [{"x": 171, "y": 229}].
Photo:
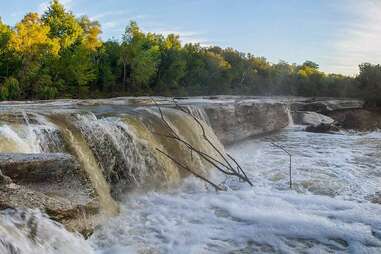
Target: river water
[{"x": 326, "y": 211}]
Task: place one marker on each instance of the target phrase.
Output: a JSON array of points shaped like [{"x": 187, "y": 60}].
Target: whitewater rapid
[{"x": 326, "y": 212}]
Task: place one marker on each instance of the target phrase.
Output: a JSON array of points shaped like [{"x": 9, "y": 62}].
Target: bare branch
[
  {"x": 191, "y": 171},
  {"x": 225, "y": 166},
  {"x": 290, "y": 157}
]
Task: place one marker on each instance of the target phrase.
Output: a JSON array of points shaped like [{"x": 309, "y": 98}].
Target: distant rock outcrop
[
  {"x": 237, "y": 121},
  {"x": 358, "y": 119},
  {"x": 311, "y": 118},
  {"x": 322, "y": 105}
]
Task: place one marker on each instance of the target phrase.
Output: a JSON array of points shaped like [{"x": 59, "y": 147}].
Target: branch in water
[
  {"x": 290, "y": 162},
  {"x": 225, "y": 166},
  {"x": 191, "y": 171}
]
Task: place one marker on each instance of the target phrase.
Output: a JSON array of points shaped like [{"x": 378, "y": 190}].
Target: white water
[
  {"x": 30, "y": 232},
  {"x": 290, "y": 118},
  {"x": 29, "y": 138},
  {"x": 326, "y": 212}
]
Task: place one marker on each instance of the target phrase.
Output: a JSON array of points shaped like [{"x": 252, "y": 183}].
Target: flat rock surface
[
  {"x": 328, "y": 105},
  {"x": 37, "y": 167}
]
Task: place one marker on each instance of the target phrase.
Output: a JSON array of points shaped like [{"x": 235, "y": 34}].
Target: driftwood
[
  {"x": 227, "y": 165},
  {"x": 290, "y": 161}
]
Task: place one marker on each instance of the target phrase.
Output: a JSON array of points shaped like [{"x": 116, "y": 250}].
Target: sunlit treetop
[
  {"x": 31, "y": 37},
  {"x": 92, "y": 31},
  {"x": 63, "y": 24}
]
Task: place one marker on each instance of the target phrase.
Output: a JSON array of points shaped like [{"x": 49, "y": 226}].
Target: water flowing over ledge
[{"x": 108, "y": 150}]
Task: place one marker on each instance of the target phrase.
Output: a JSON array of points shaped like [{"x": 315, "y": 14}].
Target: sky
[{"x": 337, "y": 34}]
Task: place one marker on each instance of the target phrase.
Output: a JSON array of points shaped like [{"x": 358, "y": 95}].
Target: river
[{"x": 326, "y": 211}]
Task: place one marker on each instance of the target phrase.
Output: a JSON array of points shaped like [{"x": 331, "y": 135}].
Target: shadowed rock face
[
  {"x": 241, "y": 120},
  {"x": 323, "y": 128},
  {"x": 327, "y": 105},
  {"x": 51, "y": 183},
  {"x": 42, "y": 167},
  {"x": 358, "y": 119}
]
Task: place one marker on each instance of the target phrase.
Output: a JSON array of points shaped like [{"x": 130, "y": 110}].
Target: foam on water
[
  {"x": 342, "y": 169},
  {"x": 30, "y": 232}
]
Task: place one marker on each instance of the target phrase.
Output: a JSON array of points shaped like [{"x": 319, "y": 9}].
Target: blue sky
[{"x": 337, "y": 34}]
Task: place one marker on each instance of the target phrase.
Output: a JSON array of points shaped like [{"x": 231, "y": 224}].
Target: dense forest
[{"x": 59, "y": 55}]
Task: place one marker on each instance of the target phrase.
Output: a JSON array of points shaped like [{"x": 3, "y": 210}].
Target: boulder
[
  {"x": 360, "y": 119},
  {"x": 52, "y": 183},
  {"x": 310, "y": 118},
  {"x": 75, "y": 215},
  {"x": 37, "y": 167},
  {"x": 323, "y": 128}
]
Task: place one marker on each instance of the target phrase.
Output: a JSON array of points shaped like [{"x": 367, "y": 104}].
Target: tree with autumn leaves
[
  {"x": 49, "y": 55},
  {"x": 59, "y": 55}
]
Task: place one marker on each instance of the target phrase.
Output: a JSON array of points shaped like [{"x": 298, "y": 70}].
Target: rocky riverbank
[{"x": 72, "y": 158}]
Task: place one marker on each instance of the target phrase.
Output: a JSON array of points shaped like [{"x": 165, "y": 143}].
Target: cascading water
[
  {"x": 89, "y": 164},
  {"x": 25, "y": 136},
  {"x": 116, "y": 145},
  {"x": 290, "y": 118},
  {"x": 30, "y": 232}
]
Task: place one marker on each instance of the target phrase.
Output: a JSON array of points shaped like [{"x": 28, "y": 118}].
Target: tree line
[{"x": 59, "y": 55}]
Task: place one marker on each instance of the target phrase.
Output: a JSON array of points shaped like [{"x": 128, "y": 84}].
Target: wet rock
[
  {"x": 310, "y": 118},
  {"x": 360, "y": 119},
  {"x": 323, "y": 128},
  {"x": 4, "y": 180},
  {"x": 244, "y": 119},
  {"x": 37, "y": 167},
  {"x": 74, "y": 215},
  {"x": 322, "y": 105},
  {"x": 53, "y": 183}
]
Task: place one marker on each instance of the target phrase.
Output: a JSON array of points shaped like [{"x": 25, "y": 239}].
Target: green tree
[
  {"x": 10, "y": 89},
  {"x": 141, "y": 53},
  {"x": 370, "y": 82},
  {"x": 172, "y": 67},
  {"x": 63, "y": 25}
]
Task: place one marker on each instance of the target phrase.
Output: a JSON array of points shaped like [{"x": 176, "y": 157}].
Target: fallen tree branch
[
  {"x": 225, "y": 166},
  {"x": 290, "y": 162},
  {"x": 191, "y": 171},
  {"x": 239, "y": 172}
]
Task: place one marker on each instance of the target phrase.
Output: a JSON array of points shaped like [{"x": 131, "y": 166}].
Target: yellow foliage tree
[{"x": 30, "y": 38}]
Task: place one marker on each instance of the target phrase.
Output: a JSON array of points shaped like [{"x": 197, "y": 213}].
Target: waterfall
[
  {"x": 30, "y": 232},
  {"x": 28, "y": 136},
  {"x": 290, "y": 118},
  {"x": 117, "y": 152},
  {"x": 78, "y": 146},
  {"x": 198, "y": 112}
]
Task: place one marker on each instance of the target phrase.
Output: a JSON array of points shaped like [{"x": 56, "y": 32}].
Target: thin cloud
[
  {"x": 186, "y": 36},
  {"x": 107, "y": 14},
  {"x": 358, "y": 41},
  {"x": 42, "y": 7}
]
